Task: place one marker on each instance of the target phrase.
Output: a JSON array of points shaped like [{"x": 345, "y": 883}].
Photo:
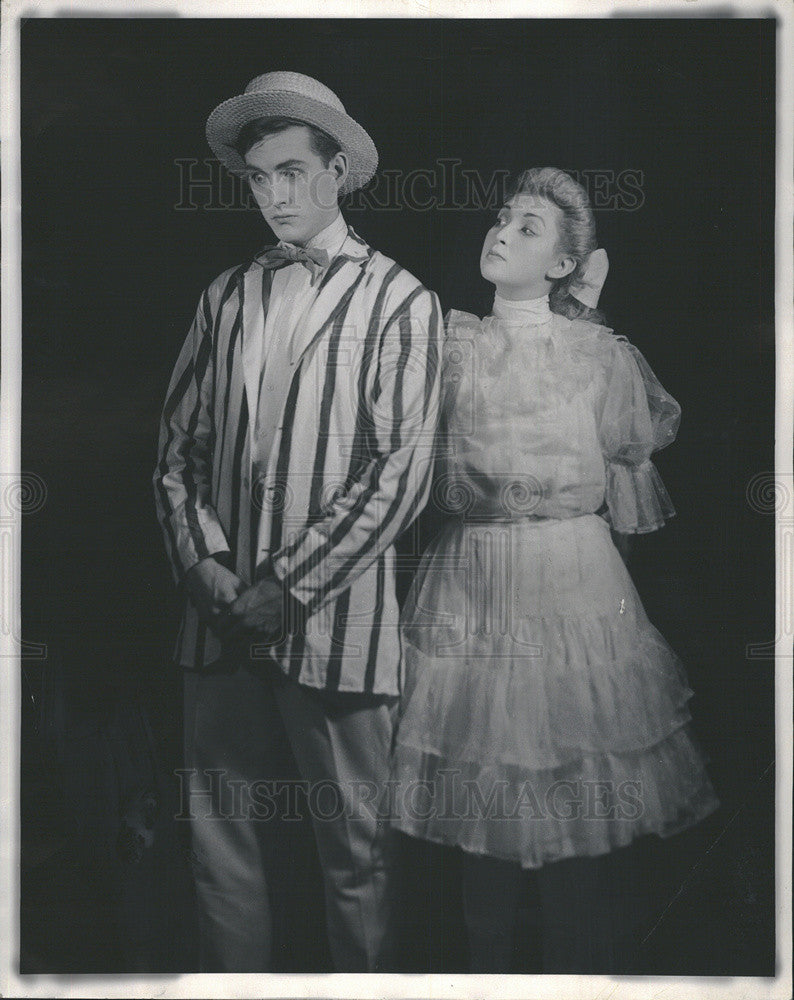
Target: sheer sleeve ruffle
[{"x": 638, "y": 418}]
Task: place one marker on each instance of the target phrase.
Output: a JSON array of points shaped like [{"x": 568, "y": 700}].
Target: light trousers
[{"x": 237, "y": 725}]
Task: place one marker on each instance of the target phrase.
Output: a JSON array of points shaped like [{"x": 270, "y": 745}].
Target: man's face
[{"x": 296, "y": 192}]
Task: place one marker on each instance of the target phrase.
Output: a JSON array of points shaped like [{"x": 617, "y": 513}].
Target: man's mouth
[{"x": 284, "y": 218}]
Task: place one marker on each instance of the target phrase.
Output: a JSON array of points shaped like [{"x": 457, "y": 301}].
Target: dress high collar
[{"x": 524, "y": 312}]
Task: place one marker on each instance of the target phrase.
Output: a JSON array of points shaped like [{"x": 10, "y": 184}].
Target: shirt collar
[{"x": 331, "y": 238}]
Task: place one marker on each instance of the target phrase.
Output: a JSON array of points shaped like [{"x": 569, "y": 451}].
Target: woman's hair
[
  {"x": 254, "y": 131},
  {"x": 577, "y": 232}
]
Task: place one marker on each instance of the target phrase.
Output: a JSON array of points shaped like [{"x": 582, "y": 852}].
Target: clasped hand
[{"x": 231, "y": 608}]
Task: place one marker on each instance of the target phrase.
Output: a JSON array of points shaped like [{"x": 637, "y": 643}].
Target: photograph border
[{"x": 389, "y": 985}]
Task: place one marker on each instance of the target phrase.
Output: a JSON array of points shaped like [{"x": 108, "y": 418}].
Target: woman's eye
[
  {"x": 529, "y": 231},
  {"x": 500, "y": 221}
]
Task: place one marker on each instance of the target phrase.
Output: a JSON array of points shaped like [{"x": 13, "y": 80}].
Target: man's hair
[{"x": 254, "y": 131}]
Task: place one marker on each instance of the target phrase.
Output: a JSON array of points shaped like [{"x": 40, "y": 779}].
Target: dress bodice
[{"x": 550, "y": 417}]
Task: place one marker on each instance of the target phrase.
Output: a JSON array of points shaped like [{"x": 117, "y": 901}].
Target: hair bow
[{"x": 587, "y": 287}]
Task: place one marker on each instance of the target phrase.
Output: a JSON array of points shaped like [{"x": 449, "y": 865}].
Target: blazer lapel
[
  {"x": 255, "y": 289},
  {"x": 339, "y": 279}
]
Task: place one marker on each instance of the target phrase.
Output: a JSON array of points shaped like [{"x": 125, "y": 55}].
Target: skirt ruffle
[
  {"x": 587, "y": 687},
  {"x": 529, "y": 662},
  {"x": 588, "y": 807}
]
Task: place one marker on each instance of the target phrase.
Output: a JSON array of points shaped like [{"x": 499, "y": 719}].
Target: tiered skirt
[{"x": 544, "y": 716}]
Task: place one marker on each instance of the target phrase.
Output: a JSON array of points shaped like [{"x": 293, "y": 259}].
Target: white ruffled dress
[{"x": 543, "y": 716}]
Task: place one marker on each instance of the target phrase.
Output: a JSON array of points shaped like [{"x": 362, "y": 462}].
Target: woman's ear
[
  {"x": 340, "y": 168},
  {"x": 563, "y": 267}
]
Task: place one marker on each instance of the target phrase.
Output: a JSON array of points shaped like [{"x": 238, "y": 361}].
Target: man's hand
[
  {"x": 258, "y": 610},
  {"x": 213, "y": 589}
]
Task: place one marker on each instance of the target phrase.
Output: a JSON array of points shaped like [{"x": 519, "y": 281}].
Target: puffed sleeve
[
  {"x": 461, "y": 329},
  {"x": 638, "y": 418}
]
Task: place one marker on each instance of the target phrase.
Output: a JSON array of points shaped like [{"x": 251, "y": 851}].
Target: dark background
[{"x": 112, "y": 271}]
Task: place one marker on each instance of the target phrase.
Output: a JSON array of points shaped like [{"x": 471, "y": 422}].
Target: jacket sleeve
[
  {"x": 182, "y": 478},
  {"x": 394, "y": 484}
]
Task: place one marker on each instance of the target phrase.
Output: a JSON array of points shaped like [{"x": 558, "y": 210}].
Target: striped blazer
[{"x": 349, "y": 469}]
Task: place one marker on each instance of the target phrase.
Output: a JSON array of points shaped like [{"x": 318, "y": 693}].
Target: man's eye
[
  {"x": 290, "y": 174},
  {"x": 257, "y": 178}
]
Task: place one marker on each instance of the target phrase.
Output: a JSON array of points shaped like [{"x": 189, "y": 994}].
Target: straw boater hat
[{"x": 292, "y": 95}]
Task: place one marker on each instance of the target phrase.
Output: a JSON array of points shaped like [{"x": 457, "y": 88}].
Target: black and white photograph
[{"x": 397, "y": 505}]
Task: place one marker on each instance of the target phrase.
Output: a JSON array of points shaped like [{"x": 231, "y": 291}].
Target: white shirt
[{"x": 292, "y": 291}]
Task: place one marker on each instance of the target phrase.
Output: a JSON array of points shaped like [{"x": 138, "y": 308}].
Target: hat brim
[{"x": 225, "y": 122}]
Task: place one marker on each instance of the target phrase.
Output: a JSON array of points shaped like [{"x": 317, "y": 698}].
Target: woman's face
[{"x": 520, "y": 254}]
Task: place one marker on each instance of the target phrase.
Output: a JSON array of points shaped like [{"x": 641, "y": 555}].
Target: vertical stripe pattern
[{"x": 348, "y": 471}]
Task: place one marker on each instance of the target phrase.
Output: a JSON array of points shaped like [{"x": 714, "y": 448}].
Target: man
[{"x": 295, "y": 447}]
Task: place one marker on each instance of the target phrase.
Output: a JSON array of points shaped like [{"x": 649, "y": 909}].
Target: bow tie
[{"x": 286, "y": 253}]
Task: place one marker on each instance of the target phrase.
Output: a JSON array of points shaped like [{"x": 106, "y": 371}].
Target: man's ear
[
  {"x": 340, "y": 168},
  {"x": 562, "y": 268}
]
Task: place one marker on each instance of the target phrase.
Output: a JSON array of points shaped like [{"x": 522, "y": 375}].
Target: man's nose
[{"x": 281, "y": 191}]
